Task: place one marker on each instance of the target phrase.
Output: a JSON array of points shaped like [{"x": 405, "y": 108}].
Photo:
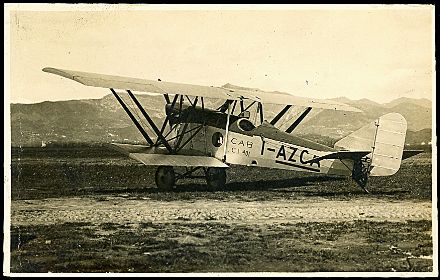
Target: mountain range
[{"x": 103, "y": 120}]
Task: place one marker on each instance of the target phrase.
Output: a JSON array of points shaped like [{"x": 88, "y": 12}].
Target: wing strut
[
  {"x": 184, "y": 130},
  {"x": 241, "y": 105},
  {"x": 167, "y": 98},
  {"x": 280, "y": 115},
  {"x": 298, "y": 120},
  {"x": 225, "y": 106},
  {"x": 141, "y": 129},
  {"x": 150, "y": 121},
  {"x": 227, "y": 132},
  {"x": 167, "y": 119},
  {"x": 260, "y": 109}
]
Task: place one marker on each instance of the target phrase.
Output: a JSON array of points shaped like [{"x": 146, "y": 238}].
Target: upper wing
[{"x": 151, "y": 86}]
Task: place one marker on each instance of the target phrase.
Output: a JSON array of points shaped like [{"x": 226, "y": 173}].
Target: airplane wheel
[
  {"x": 216, "y": 178},
  {"x": 165, "y": 177}
]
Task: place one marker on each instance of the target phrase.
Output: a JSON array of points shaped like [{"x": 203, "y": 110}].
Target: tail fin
[{"x": 385, "y": 138}]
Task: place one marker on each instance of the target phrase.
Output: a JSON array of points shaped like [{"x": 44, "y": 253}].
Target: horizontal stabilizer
[
  {"x": 341, "y": 155},
  {"x": 177, "y": 160},
  {"x": 410, "y": 153},
  {"x": 385, "y": 137}
]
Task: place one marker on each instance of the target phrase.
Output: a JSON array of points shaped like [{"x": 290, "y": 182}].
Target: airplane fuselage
[{"x": 262, "y": 146}]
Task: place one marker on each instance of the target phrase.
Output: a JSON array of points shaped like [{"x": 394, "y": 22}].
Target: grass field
[
  {"x": 190, "y": 246},
  {"x": 39, "y": 173},
  {"x": 216, "y": 247}
]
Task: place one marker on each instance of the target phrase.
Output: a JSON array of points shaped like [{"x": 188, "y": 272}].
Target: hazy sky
[{"x": 375, "y": 52}]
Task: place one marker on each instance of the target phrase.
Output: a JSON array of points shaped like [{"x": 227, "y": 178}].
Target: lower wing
[{"x": 157, "y": 156}]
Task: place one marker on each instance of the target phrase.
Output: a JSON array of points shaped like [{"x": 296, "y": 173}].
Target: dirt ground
[{"x": 93, "y": 211}]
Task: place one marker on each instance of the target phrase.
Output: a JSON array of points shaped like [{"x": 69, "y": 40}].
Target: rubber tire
[
  {"x": 165, "y": 177},
  {"x": 216, "y": 178}
]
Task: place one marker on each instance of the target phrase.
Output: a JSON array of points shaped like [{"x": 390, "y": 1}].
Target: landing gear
[
  {"x": 165, "y": 177},
  {"x": 361, "y": 171},
  {"x": 215, "y": 177}
]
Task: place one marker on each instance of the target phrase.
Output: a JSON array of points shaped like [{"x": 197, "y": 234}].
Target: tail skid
[{"x": 361, "y": 172}]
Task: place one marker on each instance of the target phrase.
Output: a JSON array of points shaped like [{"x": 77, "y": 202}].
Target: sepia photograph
[{"x": 220, "y": 140}]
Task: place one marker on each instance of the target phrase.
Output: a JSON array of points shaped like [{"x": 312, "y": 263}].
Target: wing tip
[
  {"x": 51, "y": 70},
  {"x": 47, "y": 69},
  {"x": 60, "y": 72}
]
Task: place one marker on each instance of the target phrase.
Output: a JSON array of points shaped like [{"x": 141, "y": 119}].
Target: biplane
[{"x": 205, "y": 141}]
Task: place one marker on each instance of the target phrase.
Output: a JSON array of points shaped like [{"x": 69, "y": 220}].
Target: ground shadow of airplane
[{"x": 284, "y": 185}]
